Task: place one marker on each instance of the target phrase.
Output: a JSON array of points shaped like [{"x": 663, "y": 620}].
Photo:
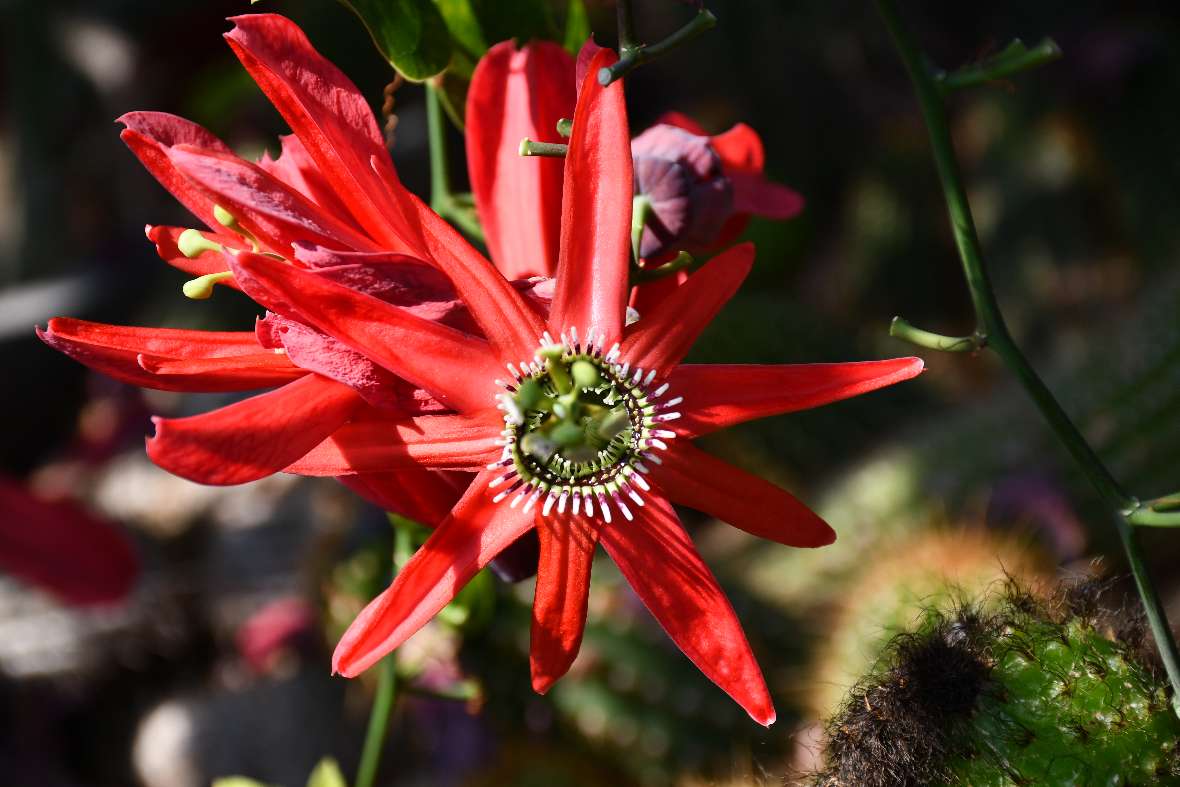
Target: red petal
[
  {"x": 328, "y": 114},
  {"x": 660, "y": 562},
  {"x": 207, "y": 262},
  {"x": 277, "y": 214},
  {"x": 255, "y": 437},
  {"x": 150, "y": 134},
  {"x": 502, "y": 313},
  {"x": 425, "y": 496},
  {"x": 755, "y": 195},
  {"x": 458, "y": 369},
  {"x": 61, "y": 547},
  {"x": 115, "y": 350},
  {"x": 721, "y": 395},
  {"x": 239, "y": 373},
  {"x": 463, "y": 543},
  {"x": 664, "y": 335},
  {"x": 681, "y": 120},
  {"x": 585, "y": 57},
  {"x": 596, "y": 213},
  {"x": 559, "y": 602},
  {"x": 297, "y": 169},
  {"x": 691, "y": 477},
  {"x": 438, "y": 442},
  {"x": 740, "y": 149},
  {"x": 513, "y": 95}
]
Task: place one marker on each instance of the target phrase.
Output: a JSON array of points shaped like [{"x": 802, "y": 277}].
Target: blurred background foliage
[{"x": 217, "y": 662}]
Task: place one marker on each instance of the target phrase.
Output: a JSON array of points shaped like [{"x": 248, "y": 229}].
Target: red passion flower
[{"x": 569, "y": 420}]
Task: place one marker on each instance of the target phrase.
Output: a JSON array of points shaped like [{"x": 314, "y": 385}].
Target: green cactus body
[
  {"x": 1067, "y": 707},
  {"x": 1029, "y": 693}
]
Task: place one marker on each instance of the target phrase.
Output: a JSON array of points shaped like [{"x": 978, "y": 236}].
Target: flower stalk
[
  {"x": 446, "y": 204},
  {"x": 992, "y": 331},
  {"x": 631, "y": 56},
  {"x": 387, "y": 689}
]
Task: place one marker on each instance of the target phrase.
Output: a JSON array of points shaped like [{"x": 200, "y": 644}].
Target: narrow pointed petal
[
  {"x": 505, "y": 317},
  {"x": 166, "y": 238},
  {"x": 559, "y": 602},
  {"x": 438, "y": 442},
  {"x": 328, "y": 114},
  {"x": 463, "y": 543},
  {"x": 255, "y": 437},
  {"x": 664, "y": 335},
  {"x": 661, "y": 563},
  {"x": 592, "y": 275},
  {"x": 426, "y": 496},
  {"x": 298, "y": 170},
  {"x": 516, "y": 94},
  {"x": 690, "y": 477},
  {"x": 237, "y": 373},
  {"x": 277, "y": 214},
  {"x": 150, "y": 134},
  {"x": 721, "y": 395},
  {"x": 456, "y": 368},
  {"x": 115, "y": 350}
]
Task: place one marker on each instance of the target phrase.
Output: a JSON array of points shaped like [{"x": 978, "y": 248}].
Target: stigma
[{"x": 581, "y": 429}]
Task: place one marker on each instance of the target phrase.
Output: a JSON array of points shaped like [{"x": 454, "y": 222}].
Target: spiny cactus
[
  {"x": 1032, "y": 693},
  {"x": 936, "y": 569}
]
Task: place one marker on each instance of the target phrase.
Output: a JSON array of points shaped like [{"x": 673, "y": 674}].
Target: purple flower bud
[{"x": 681, "y": 175}]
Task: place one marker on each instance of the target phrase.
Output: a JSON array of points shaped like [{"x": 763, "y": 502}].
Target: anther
[{"x": 201, "y": 288}]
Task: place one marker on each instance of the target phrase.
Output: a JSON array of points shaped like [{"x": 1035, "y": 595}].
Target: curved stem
[
  {"x": 992, "y": 329},
  {"x": 378, "y": 722},
  {"x": 901, "y": 329}
]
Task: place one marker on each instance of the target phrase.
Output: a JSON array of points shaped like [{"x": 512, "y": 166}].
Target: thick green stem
[
  {"x": 992, "y": 329},
  {"x": 626, "y": 27},
  {"x": 442, "y": 201}
]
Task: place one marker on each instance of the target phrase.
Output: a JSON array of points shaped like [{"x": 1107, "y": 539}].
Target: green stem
[
  {"x": 1014, "y": 59},
  {"x": 442, "y": 201},
  {"x": 637, "y": 56},
  {"x": 901, "y": 329},
  {"x": 378, "y": 721},
  {"x": 992, "y": 329},
  {"x": 529, "y": 147},
  {"x": 626, "y": 27}
]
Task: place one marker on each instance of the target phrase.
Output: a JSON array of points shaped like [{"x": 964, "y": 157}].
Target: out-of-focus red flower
[
  {"x": 703, "y": 189},
  {"x": 586, "y": 440},
  {"x": 59, "y": 546},
  {"x": 273, "y": 629}
]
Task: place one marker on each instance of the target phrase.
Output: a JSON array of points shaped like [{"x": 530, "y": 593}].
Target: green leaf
[
  {"x": 237, "y": 781},
  {"x": 501, "y": 20},
  {"x": 326, "y": 774},
  {"x": 410, "y": 34},
  {"x": 464, "y": 26},
  {"x": 577, "y": 27}
]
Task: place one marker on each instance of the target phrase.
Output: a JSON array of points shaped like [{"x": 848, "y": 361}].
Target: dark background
[{"x": 1072, "y": 170}]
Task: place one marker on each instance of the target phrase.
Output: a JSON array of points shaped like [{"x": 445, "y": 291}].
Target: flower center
[{"x": 578, "y": 426}]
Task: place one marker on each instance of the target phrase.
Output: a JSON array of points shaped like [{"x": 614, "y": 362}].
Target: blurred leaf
[
  {"x": 518, "y": 19},
  {"x": 237, "y": 781},
  {"x": 464, "y": 25},
  {"x": 472, "y": 606},
  {"x": 410, "y": 34},
  {"x": 577, "y": 27},
  {"x": 452, "y": 92},
  {"x": 326, "y": 774}
]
